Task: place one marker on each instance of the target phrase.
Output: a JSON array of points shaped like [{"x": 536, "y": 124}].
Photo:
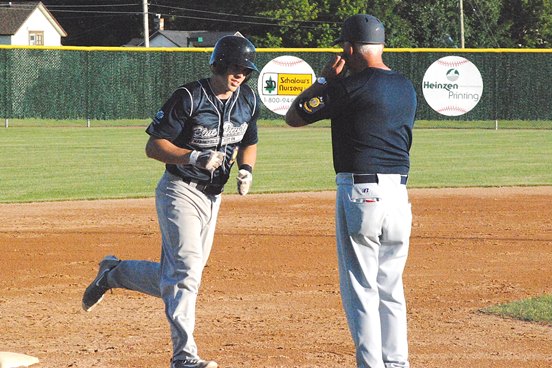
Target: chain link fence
[{"x": 120, "y": 83}]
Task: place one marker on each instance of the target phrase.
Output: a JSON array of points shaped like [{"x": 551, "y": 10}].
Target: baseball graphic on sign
[
  {"x": 281, "y": 80},
  {"x": 452, "y": 86}
]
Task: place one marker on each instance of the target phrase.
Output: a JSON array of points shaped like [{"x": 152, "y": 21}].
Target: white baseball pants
[
  {"x": 373, "y": 224},
  {"x": 187, "y": 219}
]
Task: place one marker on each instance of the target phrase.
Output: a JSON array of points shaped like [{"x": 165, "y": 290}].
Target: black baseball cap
[{"x": 362, "y": 28}]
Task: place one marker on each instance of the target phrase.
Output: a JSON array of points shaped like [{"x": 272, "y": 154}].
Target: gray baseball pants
[
  {"x": 187, "y": 220},
  {"x": 373, "y": 224}
]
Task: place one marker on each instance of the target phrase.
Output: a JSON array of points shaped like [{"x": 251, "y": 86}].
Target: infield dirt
[{"x": 270, "y": 295}]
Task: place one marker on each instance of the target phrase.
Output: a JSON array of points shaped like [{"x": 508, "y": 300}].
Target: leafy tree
[
  {"x": 315, "y": 23},
  {"x": 307, "y": 23},
  {"x": 530, "y": 22},
  {"x": 425, "y": 23},
  {"x": 398, "y": 30},
  {"x": 482, "y": 25},
  {"x": 296, "y": 20},
  {"x": 340, "y": 10}
]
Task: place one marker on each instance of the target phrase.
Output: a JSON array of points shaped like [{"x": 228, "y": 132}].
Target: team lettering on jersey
[{"x": 205, "y": 137}]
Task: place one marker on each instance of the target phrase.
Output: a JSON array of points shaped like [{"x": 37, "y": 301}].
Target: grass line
[
  {"x": 69, "y": 163},
  {"x": 537, "y": 309}
]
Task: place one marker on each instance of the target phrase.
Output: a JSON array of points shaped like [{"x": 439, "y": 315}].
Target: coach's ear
[{"x": 348, "y": 49}]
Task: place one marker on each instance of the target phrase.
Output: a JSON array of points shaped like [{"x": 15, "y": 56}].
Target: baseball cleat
[
  {"x": 194, "y": 363},
  {"x": 94, "y": 293}
]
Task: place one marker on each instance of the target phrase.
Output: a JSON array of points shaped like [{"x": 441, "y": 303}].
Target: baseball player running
[
  {"x": 372, "y": 111},
  {"x": 199, "y": 133}
]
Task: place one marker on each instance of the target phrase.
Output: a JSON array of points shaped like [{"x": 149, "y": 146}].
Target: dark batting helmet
[
  {"x": 362, "y": 28},
  {"x": 233, "y": 50}
]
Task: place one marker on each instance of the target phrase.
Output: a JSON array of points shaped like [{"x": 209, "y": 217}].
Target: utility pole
[
  {"x": 462, "y": 24},
  {"x": 146, "y": 23}
]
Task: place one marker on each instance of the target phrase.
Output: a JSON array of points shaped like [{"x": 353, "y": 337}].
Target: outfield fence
[{"x": 110, "y": 83}]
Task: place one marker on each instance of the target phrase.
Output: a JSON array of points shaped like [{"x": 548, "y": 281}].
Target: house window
[{"x": 36, "y": 38}]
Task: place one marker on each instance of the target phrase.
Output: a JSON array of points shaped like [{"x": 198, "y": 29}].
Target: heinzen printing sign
[{"x": 452, "y": 86}]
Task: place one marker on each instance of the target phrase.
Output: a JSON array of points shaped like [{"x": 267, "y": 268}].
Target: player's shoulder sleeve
[
  {"x": 170, "y": 120},
  {"x": 254, "y": 102}
]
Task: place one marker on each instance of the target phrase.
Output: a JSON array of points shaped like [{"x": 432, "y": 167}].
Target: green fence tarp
[{"x": 116, "y": 84}]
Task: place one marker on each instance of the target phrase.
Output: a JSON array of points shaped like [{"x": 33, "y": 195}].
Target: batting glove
[
  {"x": 208, "y": 160},
  {"x": 245, "y": 179}
]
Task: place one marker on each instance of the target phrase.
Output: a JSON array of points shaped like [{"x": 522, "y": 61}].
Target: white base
[{"x": 15, "y": 360}]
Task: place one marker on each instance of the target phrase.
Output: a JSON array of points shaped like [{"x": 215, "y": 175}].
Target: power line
[
  {"x": 90, "y": 30},
  {"x": 98, "y": 12},
  {"x": 92, "y": 6},
  {"x": 81, "y": 11},
  {"x": 222, "y": 20},
  {"x": 95, "y": 16},
  {"x": 96, "y": 9},
  {"x": 92, "y": 9},
  {"x": 239, "y": 15}
]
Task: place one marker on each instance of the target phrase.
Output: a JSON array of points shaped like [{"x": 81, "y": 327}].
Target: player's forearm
[
  {"x": 165, "y": 151},
  {"x": 247, "y": 155}
]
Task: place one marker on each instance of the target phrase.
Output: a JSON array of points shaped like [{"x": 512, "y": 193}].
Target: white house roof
[{"x": 15, "y": 13}]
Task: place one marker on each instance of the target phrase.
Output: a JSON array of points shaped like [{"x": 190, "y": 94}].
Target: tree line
[{"x": 315, "y": 23}]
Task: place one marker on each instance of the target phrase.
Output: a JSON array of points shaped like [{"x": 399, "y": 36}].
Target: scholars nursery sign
[{"x": 281, "y": 80}]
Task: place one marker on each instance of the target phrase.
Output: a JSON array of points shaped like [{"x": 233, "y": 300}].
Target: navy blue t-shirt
[
  {"x": 194, "y": 118},
  {"x": 372, "y": 115}
]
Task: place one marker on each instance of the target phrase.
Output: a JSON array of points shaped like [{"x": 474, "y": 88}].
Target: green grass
[
  {"x": 537, "y": 309},
  {"x": 19, "y": 123},
  {"x": 453, "y": 158},
  {"x": 74, "y": 163},
  {"x": 485, "y": 124},
  {"x": 429, "y": 124},
  {"x": 68, "y": 163}
]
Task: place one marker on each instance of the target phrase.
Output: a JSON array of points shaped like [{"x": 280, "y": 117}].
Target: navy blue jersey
[
  {"x": 195, "y": 119},
  {"x": 372, "y": 116}
]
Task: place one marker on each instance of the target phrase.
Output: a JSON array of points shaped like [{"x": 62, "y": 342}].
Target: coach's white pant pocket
[{"x": 364, "y": 193}]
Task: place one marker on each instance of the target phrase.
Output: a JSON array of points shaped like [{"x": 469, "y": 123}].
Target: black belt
[
  {"x": 207, "y": 188},
  {"x": 373, "y": 178}
]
